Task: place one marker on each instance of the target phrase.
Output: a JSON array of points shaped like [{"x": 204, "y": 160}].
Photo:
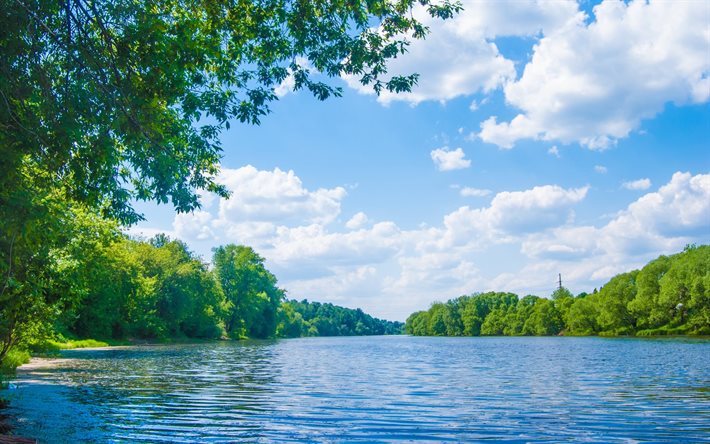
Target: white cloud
[
  {"x": 517, "y": 212},
  {"x": 458, "y": 57},
  {"x": 289, "y": 83},
  {"x": 447, "y": 160},
  {"x": 679, "y": 208},
  {"x": 474, "y": 192},
  {"x": 640, "y": 184},
  {"x": 594, "y": 83},
  {"x": 276, "y": 196},
  {"x": 600, "y": 169},
  {"x": 195, "y": 225},
  {"x": 554, "y": 151},
  {"x": 660, "y": 222},
  {"x": 518, "y": 242},
  {"x": 357, "y": 221}
]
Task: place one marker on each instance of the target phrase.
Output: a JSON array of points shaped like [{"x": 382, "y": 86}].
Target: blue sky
[{"x": 544, "y": 137}]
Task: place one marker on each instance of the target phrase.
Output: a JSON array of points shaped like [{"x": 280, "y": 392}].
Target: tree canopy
[
  {"x": 670, "y": 295},
  {"x": 107, "y": 102},
  {"x": 106, "y": 286},
  {"x": 125, "y": 100}
]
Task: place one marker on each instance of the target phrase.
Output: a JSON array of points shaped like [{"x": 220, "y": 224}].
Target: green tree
[
  {"x": 126, "y": 99},
  {"x": 117, "y": 284},
  {"x": 563, "y": 300},
  {"x": 684, "y": 290},
  {"x": 290, "y": 322},
  {"x": 614, "y": 298},
  {"x": 645, "y": 305},
  {"x": 515, "y": 320},
  {"x": 188, "y": 299},
  {"x": 494, "y": 324},
  {"x": 582, "y": 316},
  {"x": 44, "y": 268},
  {"x": 106, "y": 102},
  {"x": 250, "y": 290},
  {"x": 417, "y": 323},
  {"x": 544, "y": 320}
]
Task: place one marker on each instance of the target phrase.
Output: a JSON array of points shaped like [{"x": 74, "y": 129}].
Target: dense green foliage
[
  {"x": 108, "y": 102},
  {"x": 126, "y": 99},
  {"x": 670, "y": 295},
  {"x": 315, "y": 319},
  {"x": 119, "y": 288}
]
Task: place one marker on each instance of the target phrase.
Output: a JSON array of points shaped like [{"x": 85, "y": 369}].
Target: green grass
[
  {"x": 13, "y": 359},
  {"x": 664, "y": 331},
  {"x": 50, "y": 346}
]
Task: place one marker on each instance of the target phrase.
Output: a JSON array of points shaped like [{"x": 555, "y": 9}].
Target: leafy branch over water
[{"x": 670, "y": 295}]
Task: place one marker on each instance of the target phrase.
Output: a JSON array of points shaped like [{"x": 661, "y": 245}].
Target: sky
[{"x": 543, "y": 138}]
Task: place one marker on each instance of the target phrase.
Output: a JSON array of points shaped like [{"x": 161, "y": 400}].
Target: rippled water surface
[{"x": 374, "y": 389}]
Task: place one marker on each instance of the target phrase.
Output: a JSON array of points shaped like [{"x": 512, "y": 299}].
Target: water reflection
[{"x": 375, "y": 389}]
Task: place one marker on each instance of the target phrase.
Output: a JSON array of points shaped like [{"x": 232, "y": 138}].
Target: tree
[
  {"x": 250, "y": 290},
  {"x": 582, "y": 316},
  {"x": 544, "y": 320},
  {"x": 45, "y": 279},
  {"x": 125, "y": 100},
  {"x": 417, "y": 323},
  {"x": 685, "y": 290},
  {"x": 563, "y": 300},
  {"x": 105, "y": 102},
  {"x": 188, "y": 300},
  {"x": 645, "y": 305},
  {"x": 614, "y": 298}
]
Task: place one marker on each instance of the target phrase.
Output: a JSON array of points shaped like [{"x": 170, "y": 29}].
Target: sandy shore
[{"x": 37, "y": 364}]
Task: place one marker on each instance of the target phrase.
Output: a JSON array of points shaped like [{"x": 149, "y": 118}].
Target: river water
[{"x": 374, "y": 389}]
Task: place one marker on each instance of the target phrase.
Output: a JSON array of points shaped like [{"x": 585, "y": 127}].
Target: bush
[
  {"x": 50, "y": 346},
  {"x": 13, "y": 359}
]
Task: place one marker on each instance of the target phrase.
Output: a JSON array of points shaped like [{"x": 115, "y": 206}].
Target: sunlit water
[{"x": 374, "y": 389}]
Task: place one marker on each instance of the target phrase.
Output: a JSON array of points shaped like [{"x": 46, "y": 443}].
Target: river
[{"x": 373, "y": 389}]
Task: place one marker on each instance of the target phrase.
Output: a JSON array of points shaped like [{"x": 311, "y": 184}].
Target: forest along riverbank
[{"x": 374, "y": 388}]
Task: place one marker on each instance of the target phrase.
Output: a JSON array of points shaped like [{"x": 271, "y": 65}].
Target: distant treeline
[
  {"x": 159, "y": 289},
  {"x": 103, "y": 285},
  {"x": 315, "y": 319},
  {"x": 670, "y": 295}
]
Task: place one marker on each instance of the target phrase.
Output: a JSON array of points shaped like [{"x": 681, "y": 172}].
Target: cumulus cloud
[
  {"x": 512, "y": 214},
  {"x": 276, "y": 196},
  {"x": 517, "y": 242},
  {"x": 554, "y": 151},
  {"x": 195, "y": 225},
  {"x": 474, "y": 192},
  {"x": 640, "y": 184},
  {"x": 600, "y": 169},
  {"x": 357, "y": 221},
  {"x": 261, "y": 202},
  {"x": 448, "y": 160},
  {"x": 679, "y": 208},
  {"x": 594, "y": 83},
  {"x": 459, "y": 58},
  {"x": 660, "y": 222}
]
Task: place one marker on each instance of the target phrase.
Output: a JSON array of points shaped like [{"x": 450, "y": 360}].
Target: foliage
[
  {"x": 125, "y": 100},
  {"x": 43, "y": 266},
  {"x": 670, "y": 295},
  {"x": 49, "y": 345},
  {"x": 13, "y": 359},
  {"x": 316, "y": 319},
  {"x": 108, "y": 102},
  {"x": 250, "y": 290}
]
